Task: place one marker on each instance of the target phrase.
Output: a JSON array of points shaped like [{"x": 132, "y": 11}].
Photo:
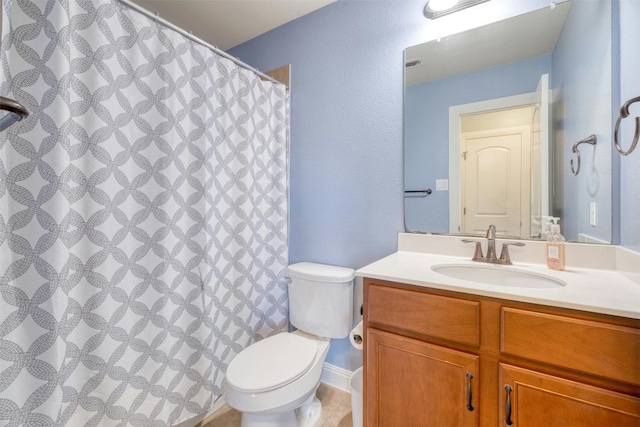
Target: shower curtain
[{"x": 143, "y": 217}]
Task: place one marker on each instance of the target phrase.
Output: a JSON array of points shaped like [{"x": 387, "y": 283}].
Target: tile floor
[{"x": 336, "y": 410}]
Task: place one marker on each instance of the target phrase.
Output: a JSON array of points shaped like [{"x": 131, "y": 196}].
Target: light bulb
[{"x": 438, "y": 5}]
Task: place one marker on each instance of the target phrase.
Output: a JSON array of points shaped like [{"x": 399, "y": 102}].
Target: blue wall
[
  {"x": 347, "y": 124},
  {"x": 629, "y": 88},
  {"x": 346, "y": 128},
  {"x": 427, "y": 130},
  {"x": 581, "y": 107}
]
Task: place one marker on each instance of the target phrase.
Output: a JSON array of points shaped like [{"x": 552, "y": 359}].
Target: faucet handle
[
  {"x": 477, "y": 254},
  {"x": 504, "y": 255}
]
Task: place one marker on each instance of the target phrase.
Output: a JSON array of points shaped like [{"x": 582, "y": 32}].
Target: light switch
[
  {"x": 592, "y": 214},
  {"x": 442, "y": 184}
]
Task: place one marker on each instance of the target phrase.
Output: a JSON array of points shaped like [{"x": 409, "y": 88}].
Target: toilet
[{"x": 273, "y": 382}]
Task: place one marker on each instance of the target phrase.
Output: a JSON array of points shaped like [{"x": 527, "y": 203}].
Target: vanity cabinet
[
  {"x": 441, "y": 358},
  {"x": 413, "y": 380}
]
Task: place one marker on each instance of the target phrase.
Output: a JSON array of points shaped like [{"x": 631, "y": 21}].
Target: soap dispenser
[{"x": 555, "y": 247}]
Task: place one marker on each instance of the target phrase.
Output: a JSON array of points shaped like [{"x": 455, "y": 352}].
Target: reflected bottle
[{"x": 555, "y": 249}]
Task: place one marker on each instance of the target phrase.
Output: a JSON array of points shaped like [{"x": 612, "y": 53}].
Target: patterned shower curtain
[{"x": 143, "y": 217}]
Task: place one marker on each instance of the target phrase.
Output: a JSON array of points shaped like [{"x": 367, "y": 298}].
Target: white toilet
[{"x": 273, "y": 382}]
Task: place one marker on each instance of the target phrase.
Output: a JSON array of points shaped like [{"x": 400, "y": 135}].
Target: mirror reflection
[{"x": 491, "y": 115}]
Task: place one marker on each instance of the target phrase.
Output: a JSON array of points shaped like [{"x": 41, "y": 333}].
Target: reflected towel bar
[
  {"x": 425, "y": 192},
  {"x": 590, "y": 140},
  {"x": 15, "y": 112}
]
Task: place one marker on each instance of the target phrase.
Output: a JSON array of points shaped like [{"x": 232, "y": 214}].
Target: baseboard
[{"x": 337, "y": 377}]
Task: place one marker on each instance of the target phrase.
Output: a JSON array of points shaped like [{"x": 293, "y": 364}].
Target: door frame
[{"x": 455, "y": 119}]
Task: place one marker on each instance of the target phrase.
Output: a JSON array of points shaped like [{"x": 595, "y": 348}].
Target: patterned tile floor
[{"x": 336, "y": 410}]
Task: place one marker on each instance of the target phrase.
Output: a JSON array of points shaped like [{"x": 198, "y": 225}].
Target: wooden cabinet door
[
  {"x": 410, "y": 383},
  {"x": 539, "y": 400}
]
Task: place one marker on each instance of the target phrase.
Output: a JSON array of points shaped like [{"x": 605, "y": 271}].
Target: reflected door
[{"x": 495, "y": 177}]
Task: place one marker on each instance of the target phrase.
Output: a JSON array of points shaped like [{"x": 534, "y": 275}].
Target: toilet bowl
[
  {"x": 274, "y": 381},
  {"x": 271, "y": 398}
]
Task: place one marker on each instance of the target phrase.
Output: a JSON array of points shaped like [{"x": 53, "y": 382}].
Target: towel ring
[
  {"x": 592, "y": 139},
  {"x": 624, "y": 113},
  {"x": 15, "y": 112}
]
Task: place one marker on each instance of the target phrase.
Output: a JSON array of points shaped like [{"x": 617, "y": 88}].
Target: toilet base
[
  {"x": 310, "y": 412},
  {"x": 308, "y": 415},
  {"x": 284, "y": 419}
]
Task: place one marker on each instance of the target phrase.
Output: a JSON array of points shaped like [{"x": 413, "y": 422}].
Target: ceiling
[
  {"x": 228, "y": 23},
  {"x": 509, "y": 40}
]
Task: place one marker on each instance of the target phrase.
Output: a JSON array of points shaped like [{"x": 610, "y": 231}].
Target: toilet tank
[{"x": 321, "y": 299}]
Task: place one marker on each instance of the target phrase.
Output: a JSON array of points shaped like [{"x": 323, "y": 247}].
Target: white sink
[{"x": 498, "y": 275}]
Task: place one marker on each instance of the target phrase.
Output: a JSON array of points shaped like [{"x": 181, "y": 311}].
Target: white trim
[
  {"x": 455, "y": 114},
  {"x": 337, "y": 377},
  {"x": 545, "y": 145},
  {"x": 585, "y": 238}
]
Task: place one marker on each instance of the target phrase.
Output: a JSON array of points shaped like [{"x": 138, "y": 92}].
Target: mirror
[{"x": 491, "y": 118}]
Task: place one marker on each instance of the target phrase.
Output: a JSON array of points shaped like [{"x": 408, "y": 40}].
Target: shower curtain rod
[{"x": 190, "y": 36}]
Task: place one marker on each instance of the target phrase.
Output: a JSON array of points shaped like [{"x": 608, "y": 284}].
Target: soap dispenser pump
[
  {"x": 545, "y": 227},
  {"x": 555, "y": 247}
]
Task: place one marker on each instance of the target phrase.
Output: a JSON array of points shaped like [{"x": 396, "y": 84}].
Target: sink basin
[{"x": 498, "y": 275}]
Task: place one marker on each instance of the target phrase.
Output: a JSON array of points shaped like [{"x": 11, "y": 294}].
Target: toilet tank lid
[{"x": 321, "y": 272}]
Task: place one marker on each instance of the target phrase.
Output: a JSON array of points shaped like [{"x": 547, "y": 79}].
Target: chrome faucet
[
  {"x": 491, "y": 249},
  {"x": 491, "y": 244}
]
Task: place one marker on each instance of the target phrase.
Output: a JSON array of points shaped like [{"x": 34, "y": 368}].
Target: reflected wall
[
  {"x": 427, "y": 130},
  {"x": 582, "y": 87},
  {"x": 582, "y": 105}
]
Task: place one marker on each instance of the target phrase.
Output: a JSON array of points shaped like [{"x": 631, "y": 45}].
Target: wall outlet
[
  {"x": 592, "y": 214},
  {"x": 442, "y": 184}
]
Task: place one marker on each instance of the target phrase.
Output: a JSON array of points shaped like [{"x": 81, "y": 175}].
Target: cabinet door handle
[
  {"x": 507, "y": 420},
  {"x": 469, "y": 393}
]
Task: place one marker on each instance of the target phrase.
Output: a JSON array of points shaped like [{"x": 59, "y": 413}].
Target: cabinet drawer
[
  {"x": 450, "y": 319},
  {"x": 591, "y": 347}
]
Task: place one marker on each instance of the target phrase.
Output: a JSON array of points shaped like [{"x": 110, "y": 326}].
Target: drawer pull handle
[
  {"x": 507, "y": 420},
  {"x": 469, "y": 393}
]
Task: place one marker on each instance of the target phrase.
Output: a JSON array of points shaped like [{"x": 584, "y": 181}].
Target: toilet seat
[{"x": 271, "y": 363}]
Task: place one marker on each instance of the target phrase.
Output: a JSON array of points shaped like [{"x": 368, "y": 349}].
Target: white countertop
[{"x": 594, "y": 290}]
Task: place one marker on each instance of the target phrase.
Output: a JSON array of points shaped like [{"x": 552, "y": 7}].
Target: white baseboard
[{"x": 337, "y": 377}]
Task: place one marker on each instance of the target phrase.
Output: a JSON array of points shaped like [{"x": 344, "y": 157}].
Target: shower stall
[{"x": 143, "y": 216}]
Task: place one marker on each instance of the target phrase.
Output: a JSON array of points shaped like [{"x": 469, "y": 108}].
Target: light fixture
[
  {"x": 440, "y": 5},
  {"x": 437, "y": 8}
]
